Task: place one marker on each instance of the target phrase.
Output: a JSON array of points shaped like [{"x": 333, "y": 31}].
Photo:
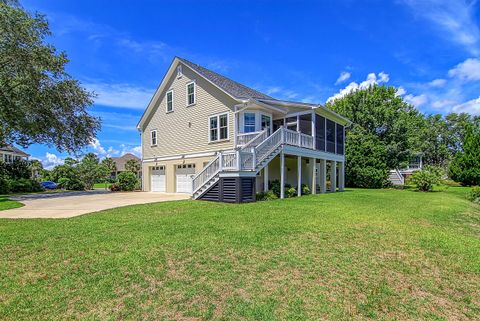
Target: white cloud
[
  {"x": 471, "y": 107},
  {"x": 469, "y": 70},
  {"x": 416, "y": 100},
  {"x": 455, "y": 18},
  {"x": 443, "y": 103},
  {"x": 437, "y": 83},
  {"x": 401, "y": 91},
  {"x": 97, "y": 147},
  {"x": 344, "y": 76},
  {"x": 50, "y": 160},
  {"x": 372, "y": 79},
  {"x": 135, "y": 150},
  {"x": 121, "y": 95}
]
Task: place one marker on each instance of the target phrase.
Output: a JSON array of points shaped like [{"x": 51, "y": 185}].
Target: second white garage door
[
  {"x": 158, "y": 179},
  {"x": 185, "y": 175}
]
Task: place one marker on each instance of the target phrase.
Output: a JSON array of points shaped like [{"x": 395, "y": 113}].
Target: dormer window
[
  {"x": 179, "y": 71},
  {"x": 191, "y": 93}
]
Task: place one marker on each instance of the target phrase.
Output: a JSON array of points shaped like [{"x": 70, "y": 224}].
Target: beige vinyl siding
[{"x": 185, "y": 130}]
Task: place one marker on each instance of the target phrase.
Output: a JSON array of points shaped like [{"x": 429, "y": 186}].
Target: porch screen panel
[
  {"x": 306, "y": 124},
  {"x": 340, "y": 140},
  {"x": 330, "y": 136},
  {"x": 277, "y": 123},
  {"x": 320, "y": 133}
]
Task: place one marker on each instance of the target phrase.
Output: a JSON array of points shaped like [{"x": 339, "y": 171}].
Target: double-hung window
[
  {"x": 153, "y": 137},
  {"x": 169, "y": 99},
  {"x": 248, "y": 122},
  {"x": 218, "y": 127},
  {"x": 191, "y": 94}
]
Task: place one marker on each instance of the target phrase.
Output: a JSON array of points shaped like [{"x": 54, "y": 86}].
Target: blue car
[{"x": 49, "y": 185}]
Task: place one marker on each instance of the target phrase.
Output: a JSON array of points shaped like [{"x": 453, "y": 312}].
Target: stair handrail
[
  {"x": 262, "y": 150},
  {"x": 210, "y": 170},
  {"x": 400, "y": 176},
  {"x": 261, "y": 136}
]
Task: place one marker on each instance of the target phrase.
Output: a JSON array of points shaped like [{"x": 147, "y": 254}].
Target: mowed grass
[
  {"x": 362, "y": 254},
  {"x": 6, "y": 204}
]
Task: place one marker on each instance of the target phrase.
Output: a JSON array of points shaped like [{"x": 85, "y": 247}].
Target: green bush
[
  {"x": 425, "y": 178},
  {"x": 115, "y": 187},
  {"x": 266, "y": 196},
  {"x": 290, "y": 192},
  {"x": 127, "y": 181},
  {"x": 305, "y": 189},
  {"x": 465, "y": 166},
  {"x": 474, "y": 195},
  {"x": 4, "y": 185},
  {"x": 25, "y": 185},
  {"x": 71, "y": 184}
]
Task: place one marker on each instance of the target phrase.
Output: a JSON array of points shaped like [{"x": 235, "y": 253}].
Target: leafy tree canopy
[{"x": 39, "y": 101}]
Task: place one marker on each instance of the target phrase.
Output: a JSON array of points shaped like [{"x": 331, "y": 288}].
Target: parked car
[{"x": 49, "y": 185}]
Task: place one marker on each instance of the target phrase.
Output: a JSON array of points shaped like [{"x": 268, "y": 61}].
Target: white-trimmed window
[
  {"x": 191, "y": 93},
  {"x": 169, "y": 100},
  {"x": 218, "y": 127},
  {"x": 153, "y": 137},
  {"x": 248, "y": 122}
]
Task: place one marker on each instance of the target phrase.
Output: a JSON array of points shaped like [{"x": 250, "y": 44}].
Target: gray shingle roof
[
  {"x": 13, "y": 149},
  {"x": 234, "y": 88}
]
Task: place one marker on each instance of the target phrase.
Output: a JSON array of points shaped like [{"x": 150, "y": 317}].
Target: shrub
[
  {"x": 474, "y": 195},
  {"x": 25, "y": 185},
  {"x": 305, "y": 189},
  {"x": 71, "y": 184},
  {"x": 266, "y": 196},
  {"x": 290, "y": 192},
  {"x": 4, "y": 185},
  {"x": 115, "y": 187},
  {"x": 425, "y": 178},
  {"x": 127, "y": 181}
]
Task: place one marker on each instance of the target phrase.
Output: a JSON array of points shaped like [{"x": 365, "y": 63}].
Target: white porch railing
[
  {"x": 208, "y": 172},
  {"x": 256, "y": 150},
  {"x": 244, "y": 138}
]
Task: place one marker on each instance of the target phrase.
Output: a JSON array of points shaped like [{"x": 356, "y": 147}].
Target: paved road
[{"x": 70, "y": 204}]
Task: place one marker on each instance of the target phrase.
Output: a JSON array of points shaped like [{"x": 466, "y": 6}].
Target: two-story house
[
  {"x": 10, "y": 153},
  {"x": 219, "y": 140}
]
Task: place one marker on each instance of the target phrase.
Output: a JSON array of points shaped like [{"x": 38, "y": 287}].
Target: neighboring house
[
  {"x": 9, "y": 153},
  {"x": 121, "y": 161},
  {"x": 219, "y": 140},
  {"x": 399, "y": 176}
]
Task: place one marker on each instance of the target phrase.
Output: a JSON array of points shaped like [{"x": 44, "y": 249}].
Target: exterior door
[
  {"x": 157, "y": 179},
  {"x": 184, "y": 178}
]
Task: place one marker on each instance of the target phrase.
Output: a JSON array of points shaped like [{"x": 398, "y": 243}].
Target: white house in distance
[
  {"x": 219, "y": 140},
  {"x": 9, "y": 153}
]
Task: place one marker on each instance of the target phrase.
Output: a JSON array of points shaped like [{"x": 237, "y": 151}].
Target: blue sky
[{"x": 295, "y": 50}]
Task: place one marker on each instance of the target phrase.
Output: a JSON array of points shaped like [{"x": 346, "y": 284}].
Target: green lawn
[
  {"x": 362, "y": 254},
  {"x": 102, "y": 185},
  {"x": 6, "y": 204}
]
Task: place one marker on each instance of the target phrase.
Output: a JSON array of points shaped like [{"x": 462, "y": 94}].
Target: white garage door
[
  {"x": 185, "y": 174},
  {"x": 158, "y": 179}
]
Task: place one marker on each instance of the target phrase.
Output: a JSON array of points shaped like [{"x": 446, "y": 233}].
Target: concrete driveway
[{"x": 70, "y": 204}]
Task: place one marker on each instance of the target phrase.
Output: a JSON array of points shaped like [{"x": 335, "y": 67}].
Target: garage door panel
[
  {"x": 158, "y": 179},
  {"x": 184, "y": 178}
]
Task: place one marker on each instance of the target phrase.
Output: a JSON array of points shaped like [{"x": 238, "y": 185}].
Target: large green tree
[
  {"x": 385, "y": 133},
  {"x": 465, "y": 167},
  {"x": 39, "y": 101}
]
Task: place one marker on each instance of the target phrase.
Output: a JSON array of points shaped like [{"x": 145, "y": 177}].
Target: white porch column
[
  {"x": 299, "y": 175},
  {"x": 323, "y": 176},
  {"x": 265, "y": 178},
  {"x": 333, "y": 176},
  {"x": 282, "y": 175},
  {"x": 341, "y": 176},
  {"x": 313, "y": 161}
]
